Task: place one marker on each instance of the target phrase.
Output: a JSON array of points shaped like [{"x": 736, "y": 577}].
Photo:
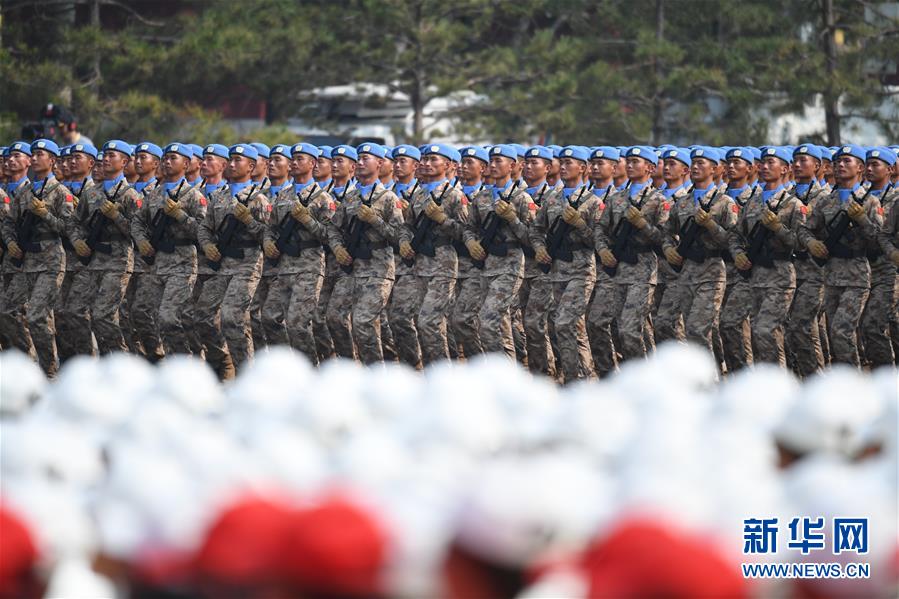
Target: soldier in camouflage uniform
[
  {"x": 888, "y": 238},
  {"x": 324, "y": 344},
  {"x": 706, "y": 214},
  {"x": 39, "y": 259},
  {"x": 568, "y": 215},
  {"x": 776, "y": 215},
  {"x": 299, "y": 212},
  {"x": 734, "y": 326},
  {"x": 636, "y": 270},
  {"x": 231, "y": 236},
  {"x": 847, "y": 271},
  {"x": 360, "y": 234},
  {"x": 164, "y": 289},
  {"x": 804, "y": 352},
  {"x": 435, "y": 218},
  {"x": 507, "y": 209},
  {"x": 881, "y": 306},
  {"x": 100, "y": 287}
]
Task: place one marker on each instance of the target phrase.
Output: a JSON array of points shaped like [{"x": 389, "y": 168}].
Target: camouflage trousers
[
  {"x": 519, "y": 336},
  {"x": 292, "y": 300},
  {"x": 668, "y": 322},
  {"x": 129, "y": 329},
  {"x": 430, "y": 300},
  {"x": 770, "y": 308},
  {"x": 197, "y": 346},
  {"x": 73, "y": 321},
  {"x": 256, "y": 325},
  {"x": 734, "y": 325},
  {"x": 355, "y": 307},
  {"x": 628, "y": 305},
  {"x": 402, "y": 311},
  {"x": 879, "y": 311},
  {"x": 537, "y": 325},
  {"x": 843, "y": 307},
  {"x": 700, "y": 305},
  {"x": 569, "y": 317},
  {"x": 161, "y": 300},
  {"x": 498, "y": 295},
  {"x": 324, "y": 344},
  {"x": 226, "y": 298},
  {"x": 464, "y": 317},
  {"x": 29, "y": 301},
  {"x": 602, "y": 330},
  {"x": 99, "y": 295},
  {"x": 804, "y": 352}
]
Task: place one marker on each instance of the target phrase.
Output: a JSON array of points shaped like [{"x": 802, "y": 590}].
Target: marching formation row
[{"x": 569, "y": 259}]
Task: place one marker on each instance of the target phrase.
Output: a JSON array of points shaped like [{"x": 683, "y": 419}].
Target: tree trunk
[
  {"x": 831, "y": 95},
  {"x": 657, "y": 99}
]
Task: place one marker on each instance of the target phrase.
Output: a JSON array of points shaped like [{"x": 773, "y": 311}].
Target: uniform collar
[
  {"x": 14, "y": 185},
  {"x": 636, "y": 188},
  {"x": 236, "y": 188},
  {"x": 366, "y": 190},
  {"x": 567, "y": 192},
  {"x": 195, "y": 182},
  {"x": 536, "y": 188},
  {"x": 670, "y": 191},
  {"x": 767, "y": 194},
  {"x": 37, "y": 184},
  {"x": 142, "y": 185},
  {"x": 698, "y": 194},
  {"x": 110, "y": 184},
  {"x": 170, "y": 187},
  {"x": 402, "y": 187},
  {"x": 298, "y": 187},
  {"x": 430, "y": 187},
  {"x": 209, "y": 188},
  {"x": 845, "y": 193},
  {"x": 496, "y": 191}
]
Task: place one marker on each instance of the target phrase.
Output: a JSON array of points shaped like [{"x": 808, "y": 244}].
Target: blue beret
[
  {"x": 808, "y": 150},
  {"x": 576, "y": 152},
  {"x": 197, "y": 150},
  {"x": 150, "y": 148},
  {"x": 372, "y": 148},
  {"x": 245, "y": 150},
  {"x": 64, "y": 151},
  {"x": 539, "y": 152},
  {"x": 707, "y": 152},
  {"x": 447, "y": 151},
  {"x": 119, "y": 146},
  {"x": 519, "y": 149},
  {"x": 389, "y": 150},
  {"x": 780, "y": 152},
  {"x": 406, "y": 150},
  {"x": 644, "y": 152},
  {"x": 346, "y": 152},
  {"x": 262, "y": 149},
  {"x": 304, "y": 148},
  {"x": 176, "y": 147},
  {"x": 325, "y": 151},
  {"x": 744, "y": 153},
  {"x": 555, "y": 150},
  {"x": 284, "y": 150},
  {"x": 680, "y": 154},
  {"x": 475, "y": 152},
  {"x": 826, "y": 153},
  {"x": 605, "y": 152},
  {"x": 83, "y": 149},
  {"x": 216, "y": 150},
  {"x": 887, "y": 155},
  {"x": 48, "y": 145},
  {"x": 3, "y": 150},
  {"x": 665, "y": 147},
  {"x": 504, "y": 150}
]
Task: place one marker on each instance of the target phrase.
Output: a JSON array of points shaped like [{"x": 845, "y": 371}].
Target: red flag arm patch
[
  {"x": 69, "y": 198},
  {"x": 804, "y": 209},
  {"x": 736, "y": 209},
  {"x": 202, "y": 201}
]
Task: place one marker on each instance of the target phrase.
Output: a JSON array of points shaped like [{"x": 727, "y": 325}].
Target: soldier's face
[
  {"x": 194, "y": 165},
  {"x": 571, "y": 169},
  {"x": 278, "y": 166},
  {"x": 42, "y": 161},
  {"x": 17, "y": 162},
  {"x": 702, "y": 170},
  {"x": 621, "y": 169},
  {"x": 847, "y": 168},
  {"x": 500, "y": 167},
  {"x": 212, "y": 166},
  {"x": 80, "y": 165},
  {"x": 535, "y": 169},
  {"x": 826, "y": 168},
  {"x": 773, "y": 169},
  {"x": 471, "y": 170},
  {"x": 637, "y": 169},
  {"x": 877, "y": 171},
  {"x": 554, "y": 168},
  {"x": 404, "y": 167},
  {"x": 240, "y": 167},
  {"x": 738, "y": 169},
  {"x": 322, "y": 169},
  {"x": 174, "y": 165},
  {"x": 386, "y": 169},
  {"x": 602, "y": 169},
  {"x": 368, "y": 165},
  {"x": 114, "y": 163},
  {"x": 342, "y": 167},
  {"x": 433, "y": 166},
  {"x": 145, "y": 163},
  {"x": 261, "y": 168},
  {"x": 674, "y": 170},
  {"x": 64, "y": 165},
  {"x": 804, "y": 166},
  {"x": 301, "y": 165}
]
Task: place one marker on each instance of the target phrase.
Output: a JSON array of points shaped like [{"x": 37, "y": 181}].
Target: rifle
[
  {"x": 160, "y": 224},
  {"x": 836, "y": 227},
  {"x": 356, "y": 244},
  {"x": 491, "y": 227},
  {"x": 25, "y": 231},
  {"x": 527, "y": 249},
  {"x": 287, "y": 228},
  {"x": 558, "y": 234},
  {"x": 407, "y": 197},
  {"x": 622, "y": 235},
  {"x": 96, "y": 226},
  {"x": 228, "y": 228},
  {"x": 758, "y": 238},
  {"x": 423, "y": 228},
  {"x": 689, "y": 234}
]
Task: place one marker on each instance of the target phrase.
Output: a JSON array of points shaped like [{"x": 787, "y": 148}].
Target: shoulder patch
[
  {"x": 69, "y": 198},
  {"x": 6, "y": 199},
  {"x": 532, "y": 206},
  {"x": 804, "y": 209},
  {"x": 268, "y": 207},
  {"x": 602, "y": 206},
  {"x": 666, "y": 206},
  {"x": 735, "y": 208},
  {"x": 202, "y": 200},
  {"x": 880, "y": 210},
  {"x": 464, "y": 200},
  {"x": 399, "y": 204},
  {"x": 139, "y": 202},
  {"x": 332, "y": 206}
]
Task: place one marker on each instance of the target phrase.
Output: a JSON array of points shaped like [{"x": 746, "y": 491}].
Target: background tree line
[{"x": 579, "y": 71}]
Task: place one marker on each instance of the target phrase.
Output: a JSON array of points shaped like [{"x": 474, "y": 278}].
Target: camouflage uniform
[
  {"x": 503, "y": 266},
  {"x": 227, "y": 294},
  {"x": 164, "y": 289},
  {"x": 881, "y": 307},
  {"x": 734, "y": 325},
  {"x": 298, "y": 273},
  {"x": 772, "y": 278},
  {"x": 889, "y": 243},
  {"x": 325, "y": 343},
  {"x": 360, "y": 295},
  {"x": 435, "y": 276},
  {"x": 5, "y": 276},
  {"x": 129, "y": 328},
  {"x": 256, "y": 327},
  {"x": 572, "y": 280},
  {"x": 702, "y": 279},
  {"x": 467, "y": 301},
  {"x": 402, "y": 307},
  {"x": 667, "y": 320},
  {"x": 804, "y": 351},
  {"x": 35, "y": 284},
  {"x": 99, "y": 288},
  {"x": 71, "y": 314},
  {"x": 536, "y": 312},
  {"x": 630, "y": 296}
]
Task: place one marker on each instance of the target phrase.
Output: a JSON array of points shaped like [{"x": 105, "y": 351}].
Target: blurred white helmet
[{"x": 22, "y": 383}]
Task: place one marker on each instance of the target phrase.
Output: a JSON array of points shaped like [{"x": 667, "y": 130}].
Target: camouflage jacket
[
  {"x": 506, "y": 255},
  {"x": 577, "y": 244},
  {"x": 440, "y": 239},
  {"x": 115, "y": 235},
  {"x": 43, "y": 252},
  {"x": 307, "y": 241},
  {"x": 183, "y": 233},
  {"x": 703, "y": 263},
  {"x": 246, "y": 242}
]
